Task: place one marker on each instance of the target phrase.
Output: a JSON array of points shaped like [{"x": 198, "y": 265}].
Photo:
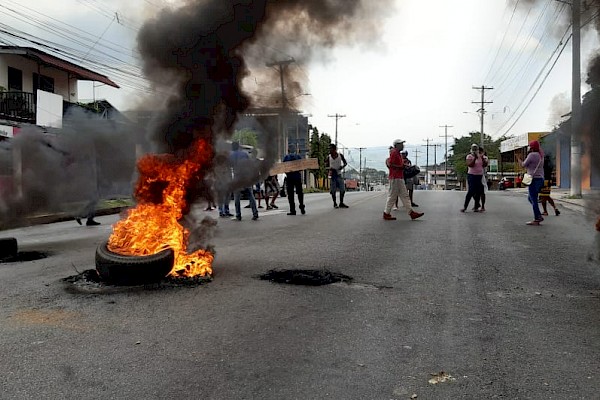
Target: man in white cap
[{"x": 397, "y": 186}]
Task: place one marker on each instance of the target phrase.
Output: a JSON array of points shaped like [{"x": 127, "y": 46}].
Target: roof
[{"x": 40, "y": 57}]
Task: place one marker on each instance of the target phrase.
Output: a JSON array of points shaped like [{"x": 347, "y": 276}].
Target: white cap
[{"x": 398, "y": 141}]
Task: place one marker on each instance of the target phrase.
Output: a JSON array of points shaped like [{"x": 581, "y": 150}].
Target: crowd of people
[{"x": 400, "y": 186}]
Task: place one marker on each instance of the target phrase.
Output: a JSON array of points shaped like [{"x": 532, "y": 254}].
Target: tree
[
  {"x": 246, "y": 136},
  {"x": 319, "y": 149}
]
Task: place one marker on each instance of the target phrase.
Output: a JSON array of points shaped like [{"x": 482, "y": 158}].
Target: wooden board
[{"x": 296, "y": 165}]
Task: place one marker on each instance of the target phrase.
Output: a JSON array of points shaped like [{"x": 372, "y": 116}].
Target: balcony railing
[{"x": 17, "y": 106}]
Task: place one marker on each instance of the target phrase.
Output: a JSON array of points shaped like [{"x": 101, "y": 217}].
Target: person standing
[
  {"x": 294, "y": 183},
  {"x": 271, "y": 191},
  {"x": 546, "y": 190},
  {"x": 484, "y": 183},
  {"x": 336, "y": 163},
  {"x": 476, "y": 163},
  {"x": 534, "y": 164},
  {"x": 240, "y": 160},
  {"x": 397, "y": 188},
  {"x": 409, "y": 182}
]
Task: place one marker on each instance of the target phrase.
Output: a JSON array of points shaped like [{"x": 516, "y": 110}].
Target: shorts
[
  {"x": 271, "y": 188},
  {"x": 409, "y": 182},
  {"x": 546, "y": 189}
]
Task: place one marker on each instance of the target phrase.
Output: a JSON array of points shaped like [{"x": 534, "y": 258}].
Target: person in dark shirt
[
  {"x": 294, "y": 183},
  {"x": 240, "y": 161}
]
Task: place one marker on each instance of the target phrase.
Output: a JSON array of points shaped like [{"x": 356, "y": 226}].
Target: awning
[{"x": 75, "y": 70}]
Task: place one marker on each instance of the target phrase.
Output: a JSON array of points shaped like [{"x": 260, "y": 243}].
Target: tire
[
  {"x": 8, "y": 248},
  {"x": 118, "y": 269}
]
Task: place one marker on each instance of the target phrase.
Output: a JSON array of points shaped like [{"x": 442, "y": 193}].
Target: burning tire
[
  {"x": 118, "y": 269},
  {"x": 8, "y": 248}
]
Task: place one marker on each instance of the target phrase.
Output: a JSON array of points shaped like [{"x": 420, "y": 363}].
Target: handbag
[
  {"x": 528, "y": 178},
  {"x": 411, "y": 171}
]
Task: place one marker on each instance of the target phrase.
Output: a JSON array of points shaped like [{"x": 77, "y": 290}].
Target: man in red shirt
[{"x": 397, "y": 186}]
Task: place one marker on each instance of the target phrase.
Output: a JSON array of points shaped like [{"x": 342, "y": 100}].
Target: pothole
[
  {"x": 307, "y": 277},
  {"x": 89, "y": 281},
  {"x": 24, "y": 256}
]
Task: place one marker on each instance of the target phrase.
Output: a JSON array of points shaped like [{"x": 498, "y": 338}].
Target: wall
[{"x": 62, "y": 85}]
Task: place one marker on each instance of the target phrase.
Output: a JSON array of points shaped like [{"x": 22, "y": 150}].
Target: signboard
[
  {"x": 6, "y": 131},
  {"x": 493, "y": 165},
  {"x": 520, "y": 141},
  {"x": 296, "y": 165},
  {"x": 49, "y": 110}
]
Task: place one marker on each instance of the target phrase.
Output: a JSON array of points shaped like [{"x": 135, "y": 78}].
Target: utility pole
[
  {"x": 281, "y": 66},
  {"x": 482, "y": 102},
  {"x": 426, "y": 160},
  {"x": 576, "y": 101},
  {"x": 417, "y": 151},
  {"x": 446, "y": 154},
  {"x": 435, "y": 146},
  {"x": 360, "y": 149},
  {"x": 337, "y": 117}
]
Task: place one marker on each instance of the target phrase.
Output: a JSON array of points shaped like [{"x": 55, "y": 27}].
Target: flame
[{"x": 153, "y": 225}]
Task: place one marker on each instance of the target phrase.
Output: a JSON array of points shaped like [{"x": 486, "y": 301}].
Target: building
[{"x": 36, "y": 87}]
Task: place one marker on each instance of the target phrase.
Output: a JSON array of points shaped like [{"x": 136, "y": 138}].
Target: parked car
[{"x": 506, "y": 183}]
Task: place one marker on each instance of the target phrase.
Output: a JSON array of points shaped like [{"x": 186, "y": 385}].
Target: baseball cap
[{"x": 398, "y": 141}]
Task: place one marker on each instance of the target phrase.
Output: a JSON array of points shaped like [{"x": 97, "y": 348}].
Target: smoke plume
[{"x": 201, "y": 53}]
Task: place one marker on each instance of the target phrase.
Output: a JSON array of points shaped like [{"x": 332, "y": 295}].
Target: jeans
[
  {"x": 475, "y": 190},
  {"x": 238, "y": 209},
  {"x": 534, "y": 191},
  {"x": 291, "y": 185},
  {"x": 224, "y": 204}
]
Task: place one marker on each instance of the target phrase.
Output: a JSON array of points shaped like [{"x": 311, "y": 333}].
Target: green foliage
[
  {"x": 246, "y": 136},
  {"x": 319, "y": 149}
]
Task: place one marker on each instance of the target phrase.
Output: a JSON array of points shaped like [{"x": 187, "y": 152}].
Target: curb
[{"x": 62, "y": 217}]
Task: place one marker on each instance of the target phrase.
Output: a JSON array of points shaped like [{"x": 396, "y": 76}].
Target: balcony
[{"x": 17, "y": 106}]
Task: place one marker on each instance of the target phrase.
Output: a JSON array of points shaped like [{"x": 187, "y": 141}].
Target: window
[
  {"x": 15, "y": 80},
  {"x": 43, "y": 82}
]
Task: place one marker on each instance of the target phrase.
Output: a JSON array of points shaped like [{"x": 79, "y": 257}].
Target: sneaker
[
  {"x": 292, "y": 213},
  {"x": 269, "y": 207},
  {"x": 78, "y": 220},
  {"x": 91, "y": 222},
  {"x": 342, "y": 205},
  {"x": 540, "y": 219},
  {"x": 482, "y": 209},
  {"x": 221, "y": 215},
  {"x": 534, "y": 222},
  {"x": 556, "y": 212},
  {"x": 302, "y": 209},
  {"x": 414, "y": 205},
  {"x": 260, "y": 207},
  {"x": 274, "y": 206},
  {"x": 255, "y": 217},
  {"x": 545, "y": 213},
  {"x": 388, "y": 217},
  {"x": 462, "y": 210},
  {"x": 228, "y": 214},
  {"x": 236, "y": 218},
  {"x": 395, "y": 208},
  {"x": 415, "y": 215},
  {"x": 335, "y": 205}
]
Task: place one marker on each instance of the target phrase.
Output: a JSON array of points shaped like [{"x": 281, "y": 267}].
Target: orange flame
[{"x": 153, "y": 225}]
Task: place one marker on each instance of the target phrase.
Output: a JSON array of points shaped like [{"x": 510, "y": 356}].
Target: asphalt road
[{"x": 504, "y": 310}]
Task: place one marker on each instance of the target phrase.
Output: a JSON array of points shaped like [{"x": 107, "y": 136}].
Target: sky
[{"x": 415, "y": 77}]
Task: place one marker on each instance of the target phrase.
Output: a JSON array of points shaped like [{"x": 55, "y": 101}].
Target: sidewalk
[{"x": 562, "y": 197}]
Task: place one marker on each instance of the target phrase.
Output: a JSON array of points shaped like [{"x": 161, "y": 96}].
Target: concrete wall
[{"x": 63, "y": 86}]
